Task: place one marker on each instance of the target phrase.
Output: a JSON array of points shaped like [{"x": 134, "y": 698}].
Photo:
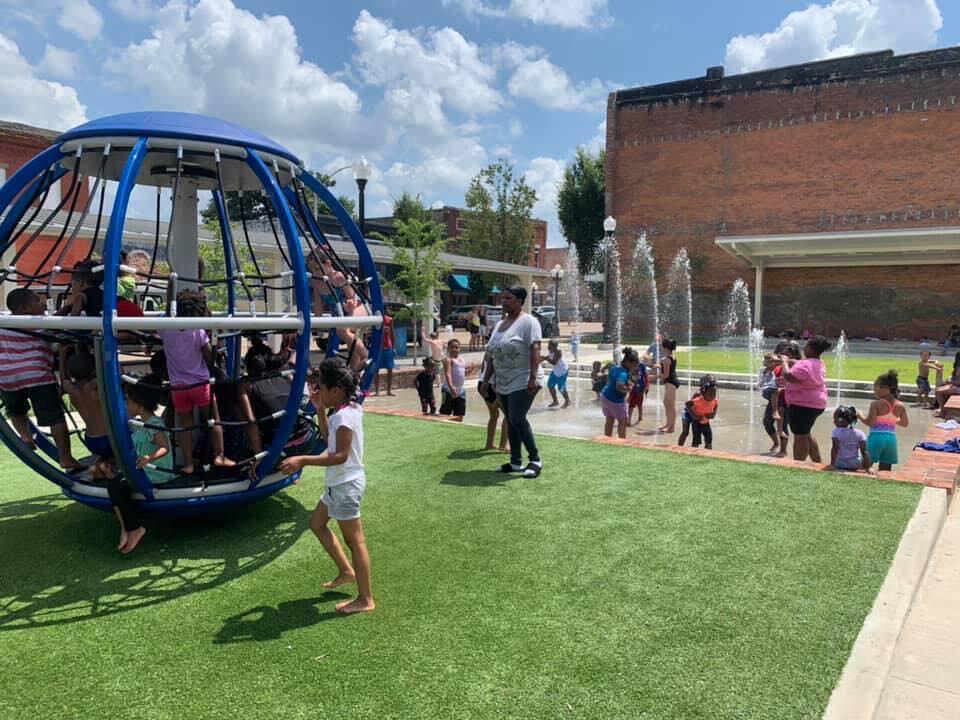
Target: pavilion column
[
  {"x": 525, "y": 280},
  {"x": 758, "y": 297}
]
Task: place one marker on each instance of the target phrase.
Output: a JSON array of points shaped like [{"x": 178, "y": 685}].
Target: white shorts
[{"x": 343, "y": 501}]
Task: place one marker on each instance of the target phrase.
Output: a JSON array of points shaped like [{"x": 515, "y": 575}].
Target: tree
[
  {"x": 417, "y": 247},
  {"x": 581, "y": 206},
  {"x": 408, "y": 207},
  {"x": 498, "y": 215},
  {"x": 317, "y": 206}
]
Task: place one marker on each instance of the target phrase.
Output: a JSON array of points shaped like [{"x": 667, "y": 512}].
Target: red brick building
[
  {"x": 833, "y": 186},
  {"x": 454, "y": 220},
  {"x": 18, "y": 144}
]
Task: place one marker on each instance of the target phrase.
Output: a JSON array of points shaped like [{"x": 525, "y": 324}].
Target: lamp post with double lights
[
  {"x": 362, "y": 171},
  {"x": 609, "y": 230}
]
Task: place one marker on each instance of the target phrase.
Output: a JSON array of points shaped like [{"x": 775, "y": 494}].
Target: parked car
[
  {"x": 546, "y": 310},
  {"x": 548, "y": 324},
  {"x": 458, "y": 316}
]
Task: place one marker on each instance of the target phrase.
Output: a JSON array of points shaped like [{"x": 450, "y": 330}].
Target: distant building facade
[{"x": 830, "y": 187}]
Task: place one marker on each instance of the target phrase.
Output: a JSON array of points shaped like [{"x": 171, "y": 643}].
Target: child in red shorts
[{"x": 188, "y": 354}]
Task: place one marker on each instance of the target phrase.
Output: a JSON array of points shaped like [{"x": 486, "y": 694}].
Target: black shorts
[
  {"x": 801, "y": 419},
  {"x": 450, "y": 405},
  {"x": 44, "y": 399},
  {"x": 490, "y": 396}
]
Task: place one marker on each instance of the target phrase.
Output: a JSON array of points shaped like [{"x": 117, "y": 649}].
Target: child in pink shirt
[
  {"x": 806, "y": 396},
  {"x": 188, "y": 354}
]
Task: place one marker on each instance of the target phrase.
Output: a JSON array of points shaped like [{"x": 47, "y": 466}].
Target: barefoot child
[
  {"x": 598, "y": 378},
  {"x": 425, "y": 381},
  {"x": 334, "y": 386},
  {"x": 923, "y": 377},
  {"x": 613, "y": 399},
  {"x": 637, "y": 394},
  {"x": 772, "y": 393},
  {"x": 189, "y": 355},
  {"x": 698, "y": 412},
  {"x": 153, "y": 457},
  {"x": 558, "y": 376},
  {"x": 849, "y": 443},
  {"x": 453, "y": 399},
  {"x": 885, "y": 414}
]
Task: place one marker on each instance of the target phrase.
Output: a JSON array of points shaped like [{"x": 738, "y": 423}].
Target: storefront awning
[{"x": 459, "y": 283}]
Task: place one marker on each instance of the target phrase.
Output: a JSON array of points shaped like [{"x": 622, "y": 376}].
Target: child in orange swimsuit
[{"x": 698, "y": 412}]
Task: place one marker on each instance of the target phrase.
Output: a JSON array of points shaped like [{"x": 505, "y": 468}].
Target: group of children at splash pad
[{"x": 793, "y": 386}]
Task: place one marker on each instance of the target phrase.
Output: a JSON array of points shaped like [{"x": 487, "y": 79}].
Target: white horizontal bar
[{"x": 237, "y": 322}]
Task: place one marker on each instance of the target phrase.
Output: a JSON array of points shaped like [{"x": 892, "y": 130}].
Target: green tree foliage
[
  {"x": 420, "y": 271},
  {"x": 410, "y": 207},
  {"x": 498, "y": 215},
  {"x": 214, "y": 267},
  {"x": 580, "y": 206}
]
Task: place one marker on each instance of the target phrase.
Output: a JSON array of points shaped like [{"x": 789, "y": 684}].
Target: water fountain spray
[
  {"x": 678, "y": 285},
  {"x": 840, "y": 353},
  {"x": 644, "y": 273},
  {"x": 571, "y": 292}
]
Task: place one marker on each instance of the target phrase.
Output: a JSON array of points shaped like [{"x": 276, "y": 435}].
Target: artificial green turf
[
  {"x": 862, "y": 367},
  {"x": 621, "y": 584}
]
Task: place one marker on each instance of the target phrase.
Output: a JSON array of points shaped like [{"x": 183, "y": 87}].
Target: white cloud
[
  {"x": 29, "y": 99},
  {"x": 442, "y": 174},
  {"x": 437, "y": 60},
  {"x": 59, "y": 63},
  {"x": 212, "y": 57},
  {"x": 599, "y": 141},
  {"x": 544, "y": 175},
  {"x": 516, "y": 128},
  {"x": 562, "y": 13},
  {"x": 80, "y": 18},
  {"x": 550, "y": 87},
  {"x": 843, "y": 27},
  {"x": 135, "y": 10}
]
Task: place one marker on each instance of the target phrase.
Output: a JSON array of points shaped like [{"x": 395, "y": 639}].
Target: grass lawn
[
  {"x": 863, "y": 367},
  {"x": 622, "y": 584}
]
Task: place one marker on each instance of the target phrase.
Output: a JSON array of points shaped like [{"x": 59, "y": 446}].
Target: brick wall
[{"x": 871, "y": 152}]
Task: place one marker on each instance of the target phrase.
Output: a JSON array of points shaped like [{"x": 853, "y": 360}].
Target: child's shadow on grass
[
  {"x": 463, "y": 454},
  {"x": 476, "y": 478},
  {"x": 60, "y": 563},
  {"x": 266, "y": 622}
]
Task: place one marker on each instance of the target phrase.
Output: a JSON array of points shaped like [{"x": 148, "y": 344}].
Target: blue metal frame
[
  {"x": 111, "y": 391},
  {"x": 367, "y": 267},
  {"x": 179, "y": 507},
  {"x": 233, "y": 343},
  {"x": 302, "y": 294}
]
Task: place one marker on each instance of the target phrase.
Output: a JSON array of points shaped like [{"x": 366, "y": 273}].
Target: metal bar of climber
[
  {"x": 162, "y": 322},
  {"x": 302, "y": 298},
  {"x": 153, "y": 256},
  {"x": 111, "y": 390},
  {"x": 57, "y": 264},
  {"x": 9, "y": 190},
  {"x": 35, "y": 192},
  {"x": 74, "y": 196},
  {"x": 231, "y": 259},
  {"x": 367, "y": 266}
]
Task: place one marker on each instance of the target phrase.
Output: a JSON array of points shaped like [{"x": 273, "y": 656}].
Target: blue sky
[{"x": 429, "y": 91}]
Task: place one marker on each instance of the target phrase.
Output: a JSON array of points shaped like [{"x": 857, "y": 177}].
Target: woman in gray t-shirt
[{"x": 513, "y": 361}]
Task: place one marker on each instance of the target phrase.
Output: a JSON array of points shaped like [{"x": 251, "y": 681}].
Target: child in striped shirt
[{"x": 28, "y": 382}]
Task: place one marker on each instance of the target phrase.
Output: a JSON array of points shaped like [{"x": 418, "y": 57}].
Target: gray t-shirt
[{"x": 510, "y": 351}]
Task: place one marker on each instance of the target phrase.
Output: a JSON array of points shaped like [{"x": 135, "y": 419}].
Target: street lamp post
[
  {"x": 557, "y": 274},
  {"x": 361, "y": 173},
  {"x": 609, "y": 228}
]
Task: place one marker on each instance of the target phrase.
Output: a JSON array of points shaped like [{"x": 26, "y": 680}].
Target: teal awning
[
  {"x": 494, "y": 290},
  {"x": 459, "y": 283}
]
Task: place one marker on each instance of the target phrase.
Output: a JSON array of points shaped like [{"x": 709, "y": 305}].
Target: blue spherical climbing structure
[{"x": 182, "y": 156}]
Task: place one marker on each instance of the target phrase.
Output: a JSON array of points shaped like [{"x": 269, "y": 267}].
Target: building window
[
  {"x": 536, "y": 256},
  {"x": 461, "y": 224},
  {"x": 53, "y": 197},
  {"x": 3, "y": 174}
]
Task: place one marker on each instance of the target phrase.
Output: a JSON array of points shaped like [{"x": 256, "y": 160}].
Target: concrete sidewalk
[{"x": 924, "y": 678}]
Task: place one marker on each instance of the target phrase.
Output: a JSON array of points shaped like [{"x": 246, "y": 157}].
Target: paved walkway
[{"x": 924, "y": 679}]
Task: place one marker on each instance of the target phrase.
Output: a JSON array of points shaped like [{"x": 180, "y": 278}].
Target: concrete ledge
[{"x": 858, "y": 692}]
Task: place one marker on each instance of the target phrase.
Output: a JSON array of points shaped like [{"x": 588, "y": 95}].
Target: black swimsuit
[{"x": 672, "y": 377}]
